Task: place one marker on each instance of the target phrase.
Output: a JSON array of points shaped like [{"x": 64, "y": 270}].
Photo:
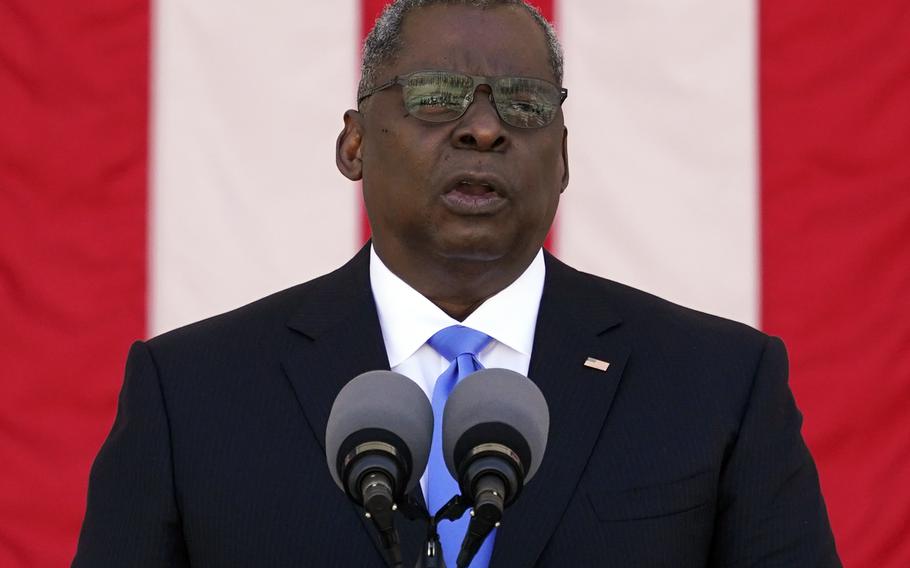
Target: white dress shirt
[{"x": 408, "y": 320}]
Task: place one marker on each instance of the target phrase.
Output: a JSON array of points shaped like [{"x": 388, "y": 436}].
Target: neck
[{"x": 457, "y": 286}]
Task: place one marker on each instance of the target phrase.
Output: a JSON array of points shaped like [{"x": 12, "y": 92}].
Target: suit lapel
[
  {"x": 335, "y": 337},
  {"x": 574, "y": 323}
]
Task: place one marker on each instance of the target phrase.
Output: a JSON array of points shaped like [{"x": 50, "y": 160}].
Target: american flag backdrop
[{"x": 166, "y": 160}]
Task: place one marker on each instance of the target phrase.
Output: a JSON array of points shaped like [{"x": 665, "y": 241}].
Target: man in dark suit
[{"x": 674, "y": 439}]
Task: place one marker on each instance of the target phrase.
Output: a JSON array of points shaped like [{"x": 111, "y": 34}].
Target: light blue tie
[{"x": 460, "y": 346}]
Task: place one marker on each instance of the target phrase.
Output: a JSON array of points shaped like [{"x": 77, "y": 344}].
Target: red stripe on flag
[
  {"x": 73, "y": 94},
  {"x": 369, "y": 12},
  {"x": 835, "y": 87}
]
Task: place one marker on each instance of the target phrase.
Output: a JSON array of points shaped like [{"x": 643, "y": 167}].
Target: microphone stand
[
  {"x": 432, "y": 552},
  {"x": 431, "y": 556}
]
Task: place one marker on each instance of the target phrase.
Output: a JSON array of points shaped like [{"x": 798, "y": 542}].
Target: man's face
[{"x": 474, "y": 188}]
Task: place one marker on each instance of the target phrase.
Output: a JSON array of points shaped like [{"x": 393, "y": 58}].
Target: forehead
[{"x": 498, "y": 40}]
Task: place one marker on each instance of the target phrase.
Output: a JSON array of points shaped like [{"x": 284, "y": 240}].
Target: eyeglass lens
[{"x": 437, "y": 96}]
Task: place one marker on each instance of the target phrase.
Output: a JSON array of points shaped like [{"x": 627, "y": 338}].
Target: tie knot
[{"x": 458, "y": 340}]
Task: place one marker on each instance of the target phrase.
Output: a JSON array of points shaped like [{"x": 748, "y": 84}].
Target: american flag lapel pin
[{"x": 597, "y": 364}]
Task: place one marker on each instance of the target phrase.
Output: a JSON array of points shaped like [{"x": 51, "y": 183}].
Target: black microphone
[
  {"x": 494, "y": 434},
  {"x": 377, "y": 443}
]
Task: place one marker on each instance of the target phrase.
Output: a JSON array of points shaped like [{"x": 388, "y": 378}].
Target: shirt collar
[{"x": 408, "y": 319}]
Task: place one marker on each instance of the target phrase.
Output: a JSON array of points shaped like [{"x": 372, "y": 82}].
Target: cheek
[
  {"x": 544, "y": 177},
  {"x": 395, "y": 160}
]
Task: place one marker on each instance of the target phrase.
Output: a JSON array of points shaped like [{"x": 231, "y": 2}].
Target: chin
[
  {"x": 476, "y": 249},
  {"x": 475, "y": 256}
]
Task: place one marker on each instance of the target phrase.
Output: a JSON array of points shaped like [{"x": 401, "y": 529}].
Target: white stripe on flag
[
  {"x": 246, "y": 199},
  {"x": 662, "y": 148}
]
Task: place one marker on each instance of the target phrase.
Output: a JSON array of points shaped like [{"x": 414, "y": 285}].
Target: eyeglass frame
[{"x": 478, "y": 81}]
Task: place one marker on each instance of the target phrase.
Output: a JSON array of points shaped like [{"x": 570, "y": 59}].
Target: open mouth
[
  {"x": 472, "y": 196},
  {"x": 469, "y": 187}
]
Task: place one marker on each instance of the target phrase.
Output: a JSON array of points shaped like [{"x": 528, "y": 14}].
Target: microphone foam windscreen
[
  {"x": 494, "y": 397},
  {"x": 382, "y": 400}
]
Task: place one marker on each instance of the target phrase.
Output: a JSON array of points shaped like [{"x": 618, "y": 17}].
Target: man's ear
[
  {"x": 348, "y": 147},
  {"x": 565, "y": 158}
]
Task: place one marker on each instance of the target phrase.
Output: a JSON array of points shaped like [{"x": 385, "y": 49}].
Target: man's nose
[{"x": 480, "y": 128}]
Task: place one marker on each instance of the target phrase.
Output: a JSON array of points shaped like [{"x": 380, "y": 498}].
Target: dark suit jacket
[{"x": 685, "y": 452}]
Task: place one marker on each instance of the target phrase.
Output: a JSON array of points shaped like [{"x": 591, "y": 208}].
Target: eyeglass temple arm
[{"x": 375, "y": 90}]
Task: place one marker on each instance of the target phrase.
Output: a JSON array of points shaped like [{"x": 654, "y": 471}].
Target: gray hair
[{"x": 384, "y": 41}]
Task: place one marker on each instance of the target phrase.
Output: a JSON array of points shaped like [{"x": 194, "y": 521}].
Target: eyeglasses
[{"x": 442, "y": 96}]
